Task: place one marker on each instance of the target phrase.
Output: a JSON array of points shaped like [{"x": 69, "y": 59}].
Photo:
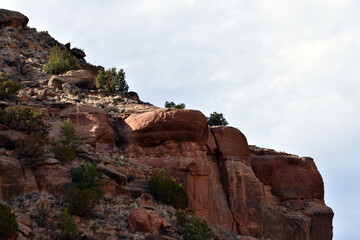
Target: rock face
[
  {"x": 290, "y": 177},
  {"x": 254, "y": 192},
  {"x": 92, "y": 126},
  {"x": 14, "y": 181},
  {"x": 12, "y": 19},
  {"x": 230, "y": 188}
]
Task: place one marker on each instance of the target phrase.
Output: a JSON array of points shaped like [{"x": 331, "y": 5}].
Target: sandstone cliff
[{"x": 240, "y": 190}]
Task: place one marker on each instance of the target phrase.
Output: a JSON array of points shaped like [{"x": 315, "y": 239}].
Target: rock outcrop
[
  {"x": 242, "y": 191},
  {"x": 12, "y": 19}
]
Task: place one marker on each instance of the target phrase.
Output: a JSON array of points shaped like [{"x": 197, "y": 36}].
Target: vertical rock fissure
[{"x": 219, "y": 159}]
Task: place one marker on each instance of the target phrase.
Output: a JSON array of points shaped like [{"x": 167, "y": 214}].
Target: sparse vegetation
[
  {"x": 65, "y": 148},
  {"x": 8, "y": 224},
  {"x": 192, "y": 227},
  {"x": 111, "y": 80},
  {"x": 196, "y": 229},
  {"x": 85, "y": 193},
  {"x": 60, "y": 61},
  {"x": 7, "y": 86},
  {"x": 42, "y": 214},
  {"x": 167, "y": 190},
  {"x": 81, "y": 201},
  {"x": 87, "y": 177},
  {"x": 24, "y": 119},
  {"x": 68, "y": 227},
  {"x": 174, "y": 105},
  {"x": 216, "y": 119},
  {"x": 31, "y": 149}
]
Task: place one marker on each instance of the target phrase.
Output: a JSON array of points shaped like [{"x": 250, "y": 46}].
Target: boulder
[
  {"x": 78, "y": 53},
  {"x": 24, "y": 219},
  {"x": 143, "y": 220},
  {"x": 80, "y": 78},
  {"x": 156, "y": 127},
  {"x": 12, "y": 19},
  {"x": 113, "y": 174}
]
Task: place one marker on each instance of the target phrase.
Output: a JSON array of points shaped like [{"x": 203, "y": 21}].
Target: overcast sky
[{"x": 286, "y": 73}]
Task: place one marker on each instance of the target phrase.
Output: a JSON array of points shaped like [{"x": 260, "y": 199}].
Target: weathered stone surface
[
  {"x": 321, "y": 220},
  {"x": 113, "y": 174},
  {"x": 80, "y": 78},
  {"x": 232, "y": 144},
  {"x": 12, "y": 180},
  {"x": 24, "y": 229},
  {"x": 91, "y": 125},
  {"x": 290, "y": 177},
  {"x": 164, "y": 139},
  {"x": 156, "y": 127},
  {"x": 10, "y": 138},
  {"x": 245, "y": 193},
  {"x": 12, "y": 19},
  {"x": 143, "y": 220},
  {"x": 24, "y": 219},
  {"x": 52, "y": 178}
]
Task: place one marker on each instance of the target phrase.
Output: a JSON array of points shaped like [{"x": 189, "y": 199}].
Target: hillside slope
[{"x": 239, "y": 190}]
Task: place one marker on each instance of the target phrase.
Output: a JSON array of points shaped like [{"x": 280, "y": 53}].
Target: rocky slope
[{"x": 240, "y": 190}]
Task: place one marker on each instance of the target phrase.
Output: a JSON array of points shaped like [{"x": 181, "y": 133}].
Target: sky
[{"x": 286, "y": 73}]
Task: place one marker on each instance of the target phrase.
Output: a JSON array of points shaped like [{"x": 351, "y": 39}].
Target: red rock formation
[
  {"x": 164, "y": 139},
  {"x": 143, "y": 220},
  {"x": 92, "y": 126},
  {"x": 14, "y": 181}
]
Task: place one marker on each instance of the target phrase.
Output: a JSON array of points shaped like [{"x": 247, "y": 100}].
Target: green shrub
[
  {"x": 173, "y": 105},
  {"x": 167, "y": 190},
  {"x": 8, "y": 224},
  {"x": 42, "y": 215},
  {"x": 196, "y": 229},
  {"x": 87, "y": 177},
  {"x": 65, "y": 148},
  {"x": 68, "y": 227},
  {"x": 112, "y": 81},
  {"x": 85, "y": 193},
  {"x": 31, "y": 149},
  {"x": 81, "y": 201},
  {"x": 7, "y": 86},
  {"x": 216, "y": 119},
  {"x": 24, "y": 119},
  {"x": 181, "y": 218},
  {"x": 60, "y": 61}
]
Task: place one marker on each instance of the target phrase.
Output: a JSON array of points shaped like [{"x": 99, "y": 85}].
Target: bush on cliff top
[
  {"x": 60, "y": 61},
  {"x": 111, "y": 80},
  {"x": 167, "y": 190},
  {"x": 216, "y": 119},
  {"x": 7, "y": 86},
  {"x": 8, "y": 224},
  {"x": 173, "y": 105}
]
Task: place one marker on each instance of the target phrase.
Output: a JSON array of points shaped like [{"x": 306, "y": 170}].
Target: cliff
[{"x": 242, "y": 191}]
